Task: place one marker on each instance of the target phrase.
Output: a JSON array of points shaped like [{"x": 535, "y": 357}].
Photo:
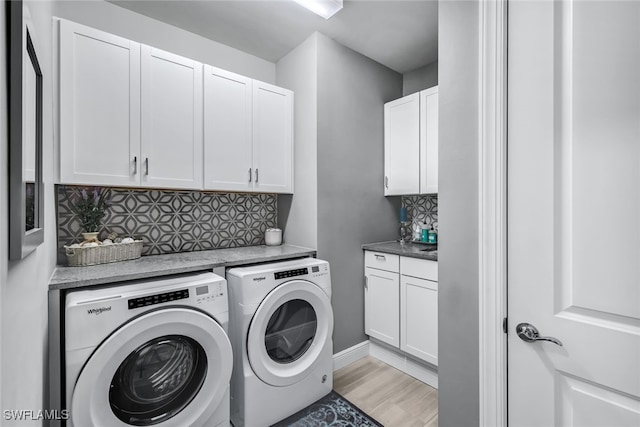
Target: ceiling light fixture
[{"x": 324, "y": 8}]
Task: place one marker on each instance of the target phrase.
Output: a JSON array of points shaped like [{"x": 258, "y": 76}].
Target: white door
[
  {"x": 574, "y": 212},
  {"x": 382, "y": 305},
  {"x": 99, "y": 107},
  {"x": 402, "y": 146},
  {"x": 227, "y": 131},
  {"x": 171, "y": 150},
  {"x": 429, "y": 141},
  {"x": 272, "y": 138}
]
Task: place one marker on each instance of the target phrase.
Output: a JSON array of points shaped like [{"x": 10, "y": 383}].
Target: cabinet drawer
[
  {"x": 382, "y": 261},
  {"x": 421, "y": 268}
]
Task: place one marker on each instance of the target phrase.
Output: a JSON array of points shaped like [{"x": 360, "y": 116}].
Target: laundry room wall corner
[
  {"x": 352, "y": 209},
  {"x": 24, "y": 284}
]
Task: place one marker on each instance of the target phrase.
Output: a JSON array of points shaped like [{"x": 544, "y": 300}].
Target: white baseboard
[
  {"x": 392, "y": 357},
  {"x": 350, "y": 355}
]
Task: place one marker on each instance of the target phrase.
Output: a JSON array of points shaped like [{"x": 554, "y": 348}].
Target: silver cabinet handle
[
  {"x": 146, "y": 166},
  {"x": 386, "y": 182},
  {"x": 529, "y": 333},
  {"x": 249, "y": 174},
  {"x": 135, "y": 165},
  {"x": 380, "y": 257},
  {"x": 256, "y": 175}
]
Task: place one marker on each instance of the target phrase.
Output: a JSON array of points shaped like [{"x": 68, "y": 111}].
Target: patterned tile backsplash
[
  {"x": 422, "y": 208},
  {"x": 174, "y": 221}
]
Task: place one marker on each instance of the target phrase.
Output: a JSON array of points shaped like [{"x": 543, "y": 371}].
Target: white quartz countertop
[{"x": 168, "y": 264}]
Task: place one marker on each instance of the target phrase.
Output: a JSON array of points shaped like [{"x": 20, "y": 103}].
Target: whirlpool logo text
[{"x": 98, "y": 310}]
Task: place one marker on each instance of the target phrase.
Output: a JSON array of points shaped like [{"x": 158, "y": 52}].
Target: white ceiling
[{"x": 403, "y": 35}]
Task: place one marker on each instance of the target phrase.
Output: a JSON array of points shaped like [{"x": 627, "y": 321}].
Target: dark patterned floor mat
[{"x": 332, "y": 410}]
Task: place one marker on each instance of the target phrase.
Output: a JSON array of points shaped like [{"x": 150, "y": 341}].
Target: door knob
[{"x": 529, "y": 333}]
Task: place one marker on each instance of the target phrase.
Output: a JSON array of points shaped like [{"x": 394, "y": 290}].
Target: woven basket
[{"x": 103, "y": 254}]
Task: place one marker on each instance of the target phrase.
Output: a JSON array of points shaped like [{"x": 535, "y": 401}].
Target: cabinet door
[
  {"x": 227, "y": 131},
  {"x": 99, "y": 107},
  {"x": 419, "y": 318},
  {"x": 171, "y": 120},
  {"x": 429, "y": 141},
  {"x": 401, "y": 146},
  {"x": 272, "y": 138},
  {"x": 382, "y": 306}
]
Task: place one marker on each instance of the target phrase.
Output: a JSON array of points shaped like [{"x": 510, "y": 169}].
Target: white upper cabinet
[
  {"x": 228, "y": 154},
  {"x": 402, "y": 146},
  {"x": 429, "y": 141},
  {"x": 171, "y": 152},
  {"x": 248, "y": 134},
  {"x": 272, "y": 138},
  {"x": 411, "y": 144},
  {"x": 134, "y": 115},
  {"x": 99, "y": 107}
]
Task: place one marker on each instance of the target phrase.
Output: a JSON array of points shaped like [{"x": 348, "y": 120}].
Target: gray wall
[
  {"x": 351, "y": 207},
  {"x": 422, "y": 78},
  {"x": 298, "y": 215},
  {"x": 24, "y": 283},
  {"x": 458, "y": 215}
]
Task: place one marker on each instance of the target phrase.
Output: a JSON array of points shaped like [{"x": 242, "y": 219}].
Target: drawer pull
[{"x": 380, "y": 257}]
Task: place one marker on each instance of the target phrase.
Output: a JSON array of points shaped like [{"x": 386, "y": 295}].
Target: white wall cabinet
[
  {"x": 171, "y": 133},
  {"x": 411, "y": 144},
  {"x": 99, "y": 107},
  {"x": 402, "y": 146},
  {"x": 228, "y": 136},
  {"x": 248, "y": 134},
  {"x": 134, "y": 115},
  {"x": 401, "y": 303},
  {"x": 272, "y": 138}
]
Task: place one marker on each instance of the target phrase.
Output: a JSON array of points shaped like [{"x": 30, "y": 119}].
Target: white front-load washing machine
[
  {"x": 149, "y": 353},
  {"x": 281, "y": 325}
]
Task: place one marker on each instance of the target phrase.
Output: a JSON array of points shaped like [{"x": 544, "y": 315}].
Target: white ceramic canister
[{"x": 273, "y": 237}]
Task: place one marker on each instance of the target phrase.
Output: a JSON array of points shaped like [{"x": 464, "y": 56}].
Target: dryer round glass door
[
  {"x": 290, "y": 329},
  {"x": 168, "y": 367}
]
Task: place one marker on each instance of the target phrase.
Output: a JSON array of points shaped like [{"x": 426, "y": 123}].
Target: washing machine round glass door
[
  {"x": 168, "y": 367},
  {"x": 290, "y": 329}
]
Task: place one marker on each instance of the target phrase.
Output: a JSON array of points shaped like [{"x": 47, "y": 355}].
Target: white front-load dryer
[
  {"x": 149, "y": 353},
  {"x": 281, "y": 326}
]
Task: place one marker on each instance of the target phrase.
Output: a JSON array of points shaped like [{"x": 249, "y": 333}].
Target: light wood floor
[{"x": 390, "y": 396}]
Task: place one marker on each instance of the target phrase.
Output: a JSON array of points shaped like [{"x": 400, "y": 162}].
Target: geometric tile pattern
[
  {"x": 423, "y": 208},
  {"x": 174, "y": 221}
]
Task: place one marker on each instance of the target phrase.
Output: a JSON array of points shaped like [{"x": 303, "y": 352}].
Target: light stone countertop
[
  {"x": 413, "y": 250},
  {"x": 168, "y": 264}
]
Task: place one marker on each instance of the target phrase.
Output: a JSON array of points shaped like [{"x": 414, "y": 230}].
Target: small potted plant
[{"x": 90, "y": 209}]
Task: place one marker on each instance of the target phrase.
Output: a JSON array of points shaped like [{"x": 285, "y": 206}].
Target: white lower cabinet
[
  {"x": 401, "y": 303},
  {"x": 382, "y": 308},
  {"x": 419, "y": 318}
]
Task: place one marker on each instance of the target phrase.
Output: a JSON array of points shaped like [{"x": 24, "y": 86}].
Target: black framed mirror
[{"x": 26, "y": 189}]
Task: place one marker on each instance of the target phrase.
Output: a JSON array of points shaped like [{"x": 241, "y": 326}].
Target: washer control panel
[
  {"x": 319, "y": 270},
  {"x": 148, "y": 300},
  {"x": 291, "y": 273},
  {"x": 209, "y": 292}
]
